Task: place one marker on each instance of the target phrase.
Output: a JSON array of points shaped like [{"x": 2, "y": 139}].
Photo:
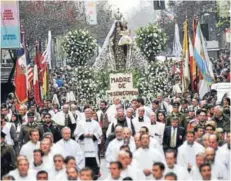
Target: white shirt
[
  {"x": 70, "y": 148},
  {"x": 155, "y": 144},
  {"x": 187, "y": 153},
  {"x": 157, "y": 131},
  {"x": 109, "y": 178},
  {"x": 59, "y": 118},
  {"x": 38, "y": 168},
  {"x": 28, "y": 148},
  {"x": 111, "y": 112},
  {"x": 48, "y": 159},
  {"x": 146, "y": 122},
  {"x": 58, "y": 175},
  {"x": 31, "y": 175},
  {"x": 195, "y": 173},
  {"x": 112, "y": 150},
  {"x": 146, "y": 157},
  {"x": 181, "y": 172},
  {"x": 219, "y": 171}
]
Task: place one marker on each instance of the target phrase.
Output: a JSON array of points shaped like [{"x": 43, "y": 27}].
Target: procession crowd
[{"x": 179, "y": 137}]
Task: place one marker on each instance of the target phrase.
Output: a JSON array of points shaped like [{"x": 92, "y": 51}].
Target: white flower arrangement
[{"x": 79, "y": 46}]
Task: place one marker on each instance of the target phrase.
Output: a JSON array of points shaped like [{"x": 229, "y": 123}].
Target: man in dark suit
[{"x": 173, "y": 135}]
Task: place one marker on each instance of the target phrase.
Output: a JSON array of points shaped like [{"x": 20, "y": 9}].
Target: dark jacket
[
  {"x": 8, "y": 158},
  {"x": 222, "y": 122},
  {"x": 54, "y": 129},
  {"x": 167, "y": 137}
]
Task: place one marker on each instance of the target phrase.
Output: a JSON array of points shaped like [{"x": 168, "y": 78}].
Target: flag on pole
[
  {"x": 37, "y": 96},
  {"x": 203, "y": 63},
  {"x": 29, "y": 72},
  {"x": 45, "y": 62},
  {"x": 192, "y": 63},
  {"x": 185, "y": 55},
  {"x": 20, "y": 81},
  {"x": 177, "y": 49}
]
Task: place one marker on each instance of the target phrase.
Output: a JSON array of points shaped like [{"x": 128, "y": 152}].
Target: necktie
[
  {"x": 66, "y": 120},
  {"x": 173, "y": 142}
]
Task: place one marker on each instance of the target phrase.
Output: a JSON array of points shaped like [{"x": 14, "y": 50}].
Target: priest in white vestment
[
  {"x": 23, "y": 172},
  {"x": 45, "y": 146},
  {"x": 114, "y": 146},
  {"x": 156, "y": 129},
  {"x": 88, "y": 134},
  {"x": 59, "y": 170},
  {"x": 121, "y": 120},
  {"x": 171, "y": 166},
  {"x": 28, "y": 148},
  {"x": 37, "y": 163},
  {"x": 68, "y": 147},
  {"x": 127, "y": 170},
  {"x": 157, "y": 171},
  {"x": 141, "y": 120},
  {"x": 112, "y": 109},
  {"x": 62, "y": 116},
  {"x": 219, "y": 171},
  {"x": 187, "y": 152},
  {"x": 195, "y": 172},
  {"x": 115, "y": 172},
  {"x": 146, "y": 156},
  {"x": 153, "y": 142}
]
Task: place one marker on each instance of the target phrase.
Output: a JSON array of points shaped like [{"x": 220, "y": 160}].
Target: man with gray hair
[
  {"x": 221, "y": 119},
  {"x": 141, "y": 120},
  {"x": 68, "y": 147},
  {"x": 66, "y": 118},
  {"x": 195, "y": 172}
]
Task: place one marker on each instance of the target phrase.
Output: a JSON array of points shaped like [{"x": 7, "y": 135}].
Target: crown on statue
[
  {"x": 118, "y": 15},
  {"x": 124, "y": 22}
]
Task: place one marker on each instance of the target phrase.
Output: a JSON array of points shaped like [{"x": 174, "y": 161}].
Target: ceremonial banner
[
  {"x": 121, "y": 85},
  {"x": 91, "y": 13},
  {"x": 10, "y": 24},
  {"x": 228, "y": 35}
]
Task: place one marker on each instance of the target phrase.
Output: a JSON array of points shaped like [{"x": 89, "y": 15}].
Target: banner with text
[
  {"x": 91, "y": 14},
  {"x": 10, "y": 24},
  {"x": 121, "y": 86}
]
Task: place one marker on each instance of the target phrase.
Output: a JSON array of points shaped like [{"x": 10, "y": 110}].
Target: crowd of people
[{"x": 175, "y": 138}]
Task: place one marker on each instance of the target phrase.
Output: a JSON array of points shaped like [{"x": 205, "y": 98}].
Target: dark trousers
[{"x": 92, "y": 164}]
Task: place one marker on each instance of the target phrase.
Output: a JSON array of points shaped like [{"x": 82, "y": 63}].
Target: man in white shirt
[
  {"x": 22, "y": 172},
  {"x": 45, "y": 146},
  {"x": 195, "y": 172},
  {"x": 158, "y": 171},
  {"x": 68, "y": 147},
  {"x": 59, "y": 171},
  {"x": 86, "y": 174},
  {"x": 114, "y": 146},
  {"x": 137, "y": 140},
  {"x": 140, "y": 103},
  {"x": 28, "y": 148},
  {"x": 145, "y": 156},
  {"x": 37, "y": 164},
  {"x": 112, "y": 109},
  {"x": 156, "y": 128},
  {"x": 72, "y": 173},
  {"x": 219, "y": 171},
  {"x": 141, "y": 120},
  {"x": 65, "y": 118},
  {"x": 153, "y": 142},
  {"x": 115, "y": 171},
  {"x": 186, "y": 156},
  {"x": 127, "y": 170},
  {"x": 171, "y": 166},
  {"x": 42, "y": 175},
  {"x": 206, "y": 171},
  {"x": 88, "y": 133}
]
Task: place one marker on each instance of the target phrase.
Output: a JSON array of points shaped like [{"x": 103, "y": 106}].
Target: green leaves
[
  {"x": 150, "y": 40},
  {"x": 79, "y": 46}
]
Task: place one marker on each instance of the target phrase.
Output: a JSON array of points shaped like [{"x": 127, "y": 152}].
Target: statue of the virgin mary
[{"x": 116, "y": 53}]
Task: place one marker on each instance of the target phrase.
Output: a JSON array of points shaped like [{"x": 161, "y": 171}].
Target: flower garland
[
  {"x": 80, "y": 46},
  {"x": 150, "y": 40},
  {"x": 156, "y": 79}
]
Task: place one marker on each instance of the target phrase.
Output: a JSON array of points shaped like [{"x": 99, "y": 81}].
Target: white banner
[
  {"x": 91, "y": 13},
  {"x": 121, "y": 86}
]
